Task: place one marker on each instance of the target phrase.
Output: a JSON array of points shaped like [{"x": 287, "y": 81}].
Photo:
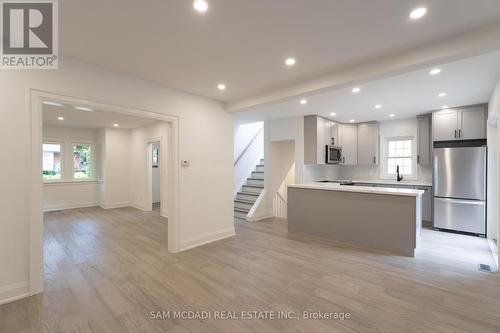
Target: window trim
[
  {"x": 385, "y": 156},
  {"x": 62, "y": 152},
  {"x": 92, "y": 158}
]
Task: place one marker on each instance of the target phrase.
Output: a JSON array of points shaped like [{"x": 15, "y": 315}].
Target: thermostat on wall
[{"x": 185, "y": 163}]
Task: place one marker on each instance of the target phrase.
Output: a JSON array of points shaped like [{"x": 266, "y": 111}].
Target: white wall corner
[
  {"x": 260, "y": 209},
  {"x": 207, "y": 238},
  {"x": 13, "y": 292}
]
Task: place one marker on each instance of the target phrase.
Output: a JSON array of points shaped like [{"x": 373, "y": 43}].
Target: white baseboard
[
  {"x": 14, "y": 292},
  {"x": 52, "y": 208},
  {"x": 260, "y": 217},
  {"x": 137, "y": 207},
  {"x": 205, "y": 239},
  {"x": 115, "y": 205}
]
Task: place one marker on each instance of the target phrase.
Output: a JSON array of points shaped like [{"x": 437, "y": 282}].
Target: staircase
[{"x": 245, "y": 199}]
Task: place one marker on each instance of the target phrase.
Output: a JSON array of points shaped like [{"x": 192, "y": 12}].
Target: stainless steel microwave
[{"x": 333, "y": 154}]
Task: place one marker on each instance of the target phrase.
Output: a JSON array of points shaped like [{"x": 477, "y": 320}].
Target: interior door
[{"x": 445, "y": 125}]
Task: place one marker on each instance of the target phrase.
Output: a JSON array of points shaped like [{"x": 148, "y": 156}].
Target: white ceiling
[
  {"x": 244, "y": 43},
  {"x": 466, "y": 82},
  {"x": 93, "y": 120}
]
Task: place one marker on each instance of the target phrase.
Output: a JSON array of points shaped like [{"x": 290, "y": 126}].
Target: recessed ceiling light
[
  {"x": 352, "y": 120},
  {"x": 378, "y": 106},
  {"x": 290, "y": 62},
  {"x": 84, "y": 108},
  {"x": 418, "y": 13},
  {"x": 221, "y": 86},
  {"x": 200, "y": 6},
  {"x": 444, "y": 107},
  {"x": 356, "y": 90},
  {"x": 435, "y": 71},
  {"x": 333, "y": 114},
  {"x": 303, "y": 101},
  {"x": 442, "y": 94},
  {"x": 392, "y": 115},
  {"x": 60, "y": 118},
  {"x": 52, "y": 103},
  {"x": 115, "y": 125}
]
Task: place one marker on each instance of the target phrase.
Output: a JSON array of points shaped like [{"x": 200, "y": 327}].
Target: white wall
[
  {"x": 138, "y": 151},
  {"x": 493, "y": 222},
  {"x": 205, "y": 138},
  {"x": 69, "y": 193},
  {"x": 116, "y": 168}
]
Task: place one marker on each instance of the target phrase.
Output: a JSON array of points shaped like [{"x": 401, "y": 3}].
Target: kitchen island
[{"x": 386, "y": 219}]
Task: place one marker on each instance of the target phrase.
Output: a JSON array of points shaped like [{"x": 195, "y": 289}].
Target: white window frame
[
  {"x": 385, "y": 155},
  {"x": 62, "y": 152},
  {"x": 93, "y": 161}
]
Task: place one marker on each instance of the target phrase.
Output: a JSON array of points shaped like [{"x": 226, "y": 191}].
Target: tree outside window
[{"x": 82, "y": 161}]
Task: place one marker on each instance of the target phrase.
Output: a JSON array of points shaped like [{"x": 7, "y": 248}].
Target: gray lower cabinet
[{"x": 426, "y": 198}]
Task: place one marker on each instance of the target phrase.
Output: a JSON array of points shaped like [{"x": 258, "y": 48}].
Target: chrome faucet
[{"x": 398, "y": 176}]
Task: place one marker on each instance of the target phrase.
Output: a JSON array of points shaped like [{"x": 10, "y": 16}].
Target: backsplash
[
  {"x": 318, "y": 172},
  {"x": 314, "y": 173}
]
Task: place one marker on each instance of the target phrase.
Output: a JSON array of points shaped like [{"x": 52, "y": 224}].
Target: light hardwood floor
[{"x": 105, "y": 270}]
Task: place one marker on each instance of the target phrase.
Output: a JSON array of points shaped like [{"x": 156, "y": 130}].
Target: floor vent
[{"x": 485, "y": 268}]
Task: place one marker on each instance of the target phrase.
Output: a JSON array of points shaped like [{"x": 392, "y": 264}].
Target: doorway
[
  {"x": 155, "y": 174},
  {"x": 35, "y": 207}
]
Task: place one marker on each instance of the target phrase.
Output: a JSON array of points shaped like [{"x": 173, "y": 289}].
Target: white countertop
[
  {"x": 359, "y": 189},
  {"x": 391, "y": 182}
]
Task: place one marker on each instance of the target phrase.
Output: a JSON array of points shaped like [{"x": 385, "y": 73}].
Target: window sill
[{"x": 70, "y": 182}]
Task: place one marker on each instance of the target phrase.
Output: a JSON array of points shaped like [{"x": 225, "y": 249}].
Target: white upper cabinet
[
  {"x": 348, "y": 140},
  {"x": 424, "y": 140},
  {"x": 368, "y": 143},
  {"x": 473, "y": 123},
  {"x": 318, "y": 133},
  {"x": 467, "y": 123},
  {"x": 445, "y": 125}
]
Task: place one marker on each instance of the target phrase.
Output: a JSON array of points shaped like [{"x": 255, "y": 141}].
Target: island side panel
[{"x": 379, "y": 221}]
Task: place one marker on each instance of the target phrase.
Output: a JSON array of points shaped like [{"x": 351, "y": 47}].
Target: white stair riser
[
  {"x": 246, "y": 197},
  {"x": 259, "y": 168},
  {"x": 243, "y": 205},
  {"x": 258, "y": 175},
  {"x": 240, "y": 215},
  {"x": 255, "y": 182},
  {"x": 255, "y": 190}
]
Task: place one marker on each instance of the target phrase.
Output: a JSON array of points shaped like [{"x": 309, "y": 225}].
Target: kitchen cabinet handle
[
  {"x": 418, "y": 158},
  {"x": 455, "y": 134},
  {"x": 459, "y": 133},
  {"x": 374, "y": 160}
]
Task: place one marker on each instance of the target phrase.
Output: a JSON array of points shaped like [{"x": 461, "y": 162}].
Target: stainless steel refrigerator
[{"x": 460, "y": 189}]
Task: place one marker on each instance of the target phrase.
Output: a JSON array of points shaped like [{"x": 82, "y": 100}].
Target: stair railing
[{"x": 248, "y": 146}]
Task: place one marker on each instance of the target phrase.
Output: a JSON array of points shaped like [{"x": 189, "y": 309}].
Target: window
[
  {"x": 51, "y": 169},
  {"x": 399, "y": 153},
  {"x": 82, "y": 161},
  {"x": 156, "y": 157}
]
